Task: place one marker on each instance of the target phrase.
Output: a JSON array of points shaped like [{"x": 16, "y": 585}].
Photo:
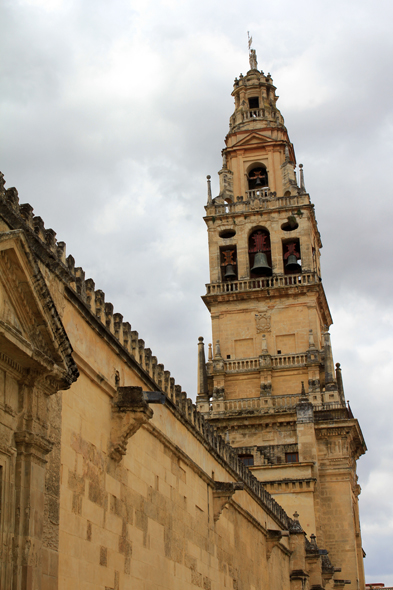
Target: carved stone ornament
[
  {"x": 130, "y": 411},
  {"x": 222, "y": 494},
  {"x": 262, "y": 321}
]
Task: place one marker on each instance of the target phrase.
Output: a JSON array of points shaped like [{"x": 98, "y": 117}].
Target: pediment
[
  {"x": 253, "y": 139},
  {"x": 31, "y": 331}
]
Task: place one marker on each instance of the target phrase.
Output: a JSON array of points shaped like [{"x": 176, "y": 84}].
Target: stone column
[{"x": 29, "y": 494}]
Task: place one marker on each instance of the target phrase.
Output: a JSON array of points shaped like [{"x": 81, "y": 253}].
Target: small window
[
  {"x": 291, "y": 458},
  {"x": 228, "y": 356},
  {"x": 253, "y": 102},
  {"x": 247, "y": 460},
  {"x": 227, "y": 233}
]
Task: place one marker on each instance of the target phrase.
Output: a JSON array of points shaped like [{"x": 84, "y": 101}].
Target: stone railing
[
  {"x": 242, "y": 364},
  {"x": 263, "y": 193},
  {"x": 257, "y": 404},
  {"x": 276, "y": 281},
  {"x": 257, "y": 199},
  {"x": 273, "y": 404},
  {"x": 278, "y": 361},
  {"x": 288, "y": 360},
  {"x": 253, "y": 114}
]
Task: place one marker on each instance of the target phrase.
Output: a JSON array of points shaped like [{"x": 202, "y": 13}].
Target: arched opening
[
  {"x": 257, "y": 178},
  {"x": 292, "y": 256},
  {"x": 259, "y": 253},
  {"x": 228, "y": 263}
]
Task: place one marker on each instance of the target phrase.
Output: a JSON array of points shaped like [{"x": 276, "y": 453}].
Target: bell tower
[{"x": 270, "y": 385}]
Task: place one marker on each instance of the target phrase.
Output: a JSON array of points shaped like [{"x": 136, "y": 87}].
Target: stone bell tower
[{"x": 270, "y": 385}]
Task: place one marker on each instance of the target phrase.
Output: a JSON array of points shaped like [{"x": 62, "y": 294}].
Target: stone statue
[{"x": 253, "y": 60}]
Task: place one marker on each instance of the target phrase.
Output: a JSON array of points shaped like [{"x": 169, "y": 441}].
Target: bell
[
  {"x": 261, "y": 266},
  {"x": 229, "y": 273},
  {"x": 292, "y": 264},
  {"x": 258, "y": 181}
]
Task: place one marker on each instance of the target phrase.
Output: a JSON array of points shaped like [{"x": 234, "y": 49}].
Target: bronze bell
[
  {"x": 292, "y": 265},
  {"x": 229, "y": 273},
  {"x": 261, "y": 266}
]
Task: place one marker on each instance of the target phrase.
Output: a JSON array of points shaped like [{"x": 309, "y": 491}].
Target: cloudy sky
[{"x": 112, "y": 115}]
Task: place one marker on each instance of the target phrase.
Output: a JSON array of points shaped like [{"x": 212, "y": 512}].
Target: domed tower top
[
  {"x": 255, "y": 99},
  {"x": 258, "y": 152}
]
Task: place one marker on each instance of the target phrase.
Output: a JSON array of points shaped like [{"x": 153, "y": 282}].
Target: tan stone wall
[{"x": 149, "y": 520}]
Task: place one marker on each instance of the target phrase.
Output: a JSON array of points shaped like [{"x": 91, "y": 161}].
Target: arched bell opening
[
  {"x": 292, "y": 256},
  {"x": 228, "y": 263},
  {"x": 257, "y": 178},
  {"x": 259, "y": 253}
]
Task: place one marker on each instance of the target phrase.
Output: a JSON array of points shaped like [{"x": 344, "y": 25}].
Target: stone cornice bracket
[
  {"x": 129, "y": 412},
  {"x": 34, "y": 445},
  {"x": 340, "y": 584},
  {"x": 273, "y": 539},
  {"x": 222, "y": 494}
]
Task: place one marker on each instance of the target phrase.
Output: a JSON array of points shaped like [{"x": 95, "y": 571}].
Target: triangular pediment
[
  {"x": 253, "y": 138},
  {"x": 31, "y": 331}
]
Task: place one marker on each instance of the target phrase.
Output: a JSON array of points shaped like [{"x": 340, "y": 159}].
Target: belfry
[{"x": 269, "y": 385}]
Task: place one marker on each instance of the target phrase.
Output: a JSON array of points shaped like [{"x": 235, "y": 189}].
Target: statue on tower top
[{"x": 252, "y": 54}]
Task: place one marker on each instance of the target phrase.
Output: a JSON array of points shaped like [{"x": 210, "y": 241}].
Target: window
[
  {"x": 253, "y": 102},
  {"x": 247, "y": 460},
  {"x": 291, "y": 458}
]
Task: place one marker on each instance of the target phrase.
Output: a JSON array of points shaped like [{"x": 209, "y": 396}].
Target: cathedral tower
[{"x": 270, "y": 385}]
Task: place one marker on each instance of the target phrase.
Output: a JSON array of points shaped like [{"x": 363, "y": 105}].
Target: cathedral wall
[{"x": 152, "y": 519}]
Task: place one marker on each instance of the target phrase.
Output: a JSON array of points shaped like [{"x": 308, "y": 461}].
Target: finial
[
  {"x": 210, "y": 355},
  {"x": 209, "y": 190},
  {"x": 217, "y": 349},
  {"x": 303, "y": 390},
  {"x": 252, "y": 54},
  {"x": 296, "y": 515},
  {"x": 302, "y": 178}
]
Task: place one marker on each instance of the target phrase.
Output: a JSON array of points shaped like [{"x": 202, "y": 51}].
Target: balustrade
[
  {"x": 276, "y": 281},
  {"x": 253, "y": 114},
  {"x": 260, "y": 193},
  {"x": 288, "y": 360},
  {"x": 271, "y": 404},
  {"x": 261, "y": 198},
  {"x": 242, "y": 365}
]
